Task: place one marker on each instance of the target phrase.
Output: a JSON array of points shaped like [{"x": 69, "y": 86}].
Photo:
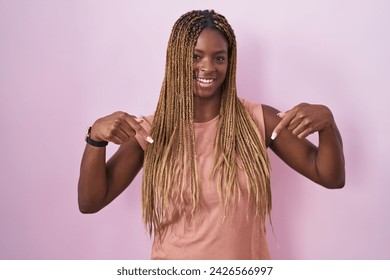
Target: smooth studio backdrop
[{"x": 63, "y": 64}]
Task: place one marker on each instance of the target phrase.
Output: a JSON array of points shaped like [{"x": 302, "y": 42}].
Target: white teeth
[{"x": 206, "y": 81}]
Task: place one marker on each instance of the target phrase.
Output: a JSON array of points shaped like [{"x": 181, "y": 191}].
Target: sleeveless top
[{"x": 240, "y": 235}]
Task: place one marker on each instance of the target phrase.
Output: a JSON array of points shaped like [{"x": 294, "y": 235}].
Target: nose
[{"x": 207, "y": 65}]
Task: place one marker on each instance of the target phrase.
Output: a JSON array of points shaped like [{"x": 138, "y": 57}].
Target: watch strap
[{"x": 92, "y": 142}]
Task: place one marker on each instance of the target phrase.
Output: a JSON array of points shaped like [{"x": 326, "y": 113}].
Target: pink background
[{"x": 65, "y": 63}]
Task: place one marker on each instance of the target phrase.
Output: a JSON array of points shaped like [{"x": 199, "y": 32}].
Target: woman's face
[{"x": 210, "y": 63}]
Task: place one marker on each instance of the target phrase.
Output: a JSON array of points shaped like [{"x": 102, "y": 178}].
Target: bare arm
[
  {"x": 101, "y": 182},
  {"x": 323, "y": 164}
]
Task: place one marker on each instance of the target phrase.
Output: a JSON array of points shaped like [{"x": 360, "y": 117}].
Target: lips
[{"x": 205, "y": 80}]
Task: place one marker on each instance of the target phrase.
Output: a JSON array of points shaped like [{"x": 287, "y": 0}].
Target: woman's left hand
[{"x": 304, "y": 119}]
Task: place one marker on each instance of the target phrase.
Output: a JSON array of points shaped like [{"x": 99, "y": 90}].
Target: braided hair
[{"x": 170, "y": 162}]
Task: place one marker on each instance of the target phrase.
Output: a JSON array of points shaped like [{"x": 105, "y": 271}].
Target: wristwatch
[{"x": 92, "y": 142}]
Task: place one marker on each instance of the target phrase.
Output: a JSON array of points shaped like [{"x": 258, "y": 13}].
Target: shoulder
[
  {"x": 147, "y": 125},
  {"x": 271, "y": 120},
  {"x": 252, "y": 107},
  {"x": 255, "y": 110},
  {"x": 266, "y": 111},
  {"x": 148, "y": 121},
  {"x": 265, "y": 117}
]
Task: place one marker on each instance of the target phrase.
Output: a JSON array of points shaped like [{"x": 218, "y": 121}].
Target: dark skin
[{"x": 285, "y": 133}]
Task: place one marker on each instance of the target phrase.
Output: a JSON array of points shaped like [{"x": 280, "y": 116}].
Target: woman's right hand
[
  {"x": 118, "y": 128},
  {"x": 100, "y": 182}
]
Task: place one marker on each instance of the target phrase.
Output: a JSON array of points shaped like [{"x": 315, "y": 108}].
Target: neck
[{"x": 206, "y": 109}]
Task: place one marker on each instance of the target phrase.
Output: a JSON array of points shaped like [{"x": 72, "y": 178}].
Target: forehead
[{"x": 211, "y": 40}]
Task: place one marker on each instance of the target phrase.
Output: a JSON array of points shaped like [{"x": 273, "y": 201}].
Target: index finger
[
  {"x": 137, "y": 127},
  {"x": 286, "y": 119}
]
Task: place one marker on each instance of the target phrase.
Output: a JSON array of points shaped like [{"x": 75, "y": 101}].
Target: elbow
[
  {"x": 336, "y": 183},
  {"x": 88, "y": 202},
  {"x": 341, "y": 183},
  {"x": 86, "y": 210},
  {"x": 333, "y": 179},
  {"x": 86, "y": 207}
]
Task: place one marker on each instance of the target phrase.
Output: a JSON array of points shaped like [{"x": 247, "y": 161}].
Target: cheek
[
  {"x": 224, "y": 68},
  {"x": 224, "y": 72},
  {"x": 194, "y": 69}
]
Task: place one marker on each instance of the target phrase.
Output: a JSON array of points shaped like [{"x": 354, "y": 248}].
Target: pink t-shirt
[{"x": 241, "y": 235}]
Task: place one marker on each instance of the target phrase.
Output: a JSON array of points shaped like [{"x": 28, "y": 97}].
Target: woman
[{"x": 206, "y": 186}]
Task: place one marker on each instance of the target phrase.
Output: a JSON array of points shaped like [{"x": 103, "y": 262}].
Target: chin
[{"x": 205, "y": 94}]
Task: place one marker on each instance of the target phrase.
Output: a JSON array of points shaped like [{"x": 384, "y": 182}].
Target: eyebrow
[{"x": 217, "y": 52}]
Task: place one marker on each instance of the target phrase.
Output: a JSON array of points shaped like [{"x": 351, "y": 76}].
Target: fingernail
[
  {"x": 273, "y": 136},
  {"x": 149, "y": 139},
  {"x": 139, "y": 119},
  {"x": 279, "y": 114}
]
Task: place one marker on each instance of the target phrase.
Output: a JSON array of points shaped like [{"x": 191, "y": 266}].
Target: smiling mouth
[{"x": 205, "y": 80}]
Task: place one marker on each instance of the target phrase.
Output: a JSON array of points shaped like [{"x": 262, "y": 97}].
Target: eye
[
  {"x": 220, "y": 58},
  {"x": 195, "y": 56}
]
